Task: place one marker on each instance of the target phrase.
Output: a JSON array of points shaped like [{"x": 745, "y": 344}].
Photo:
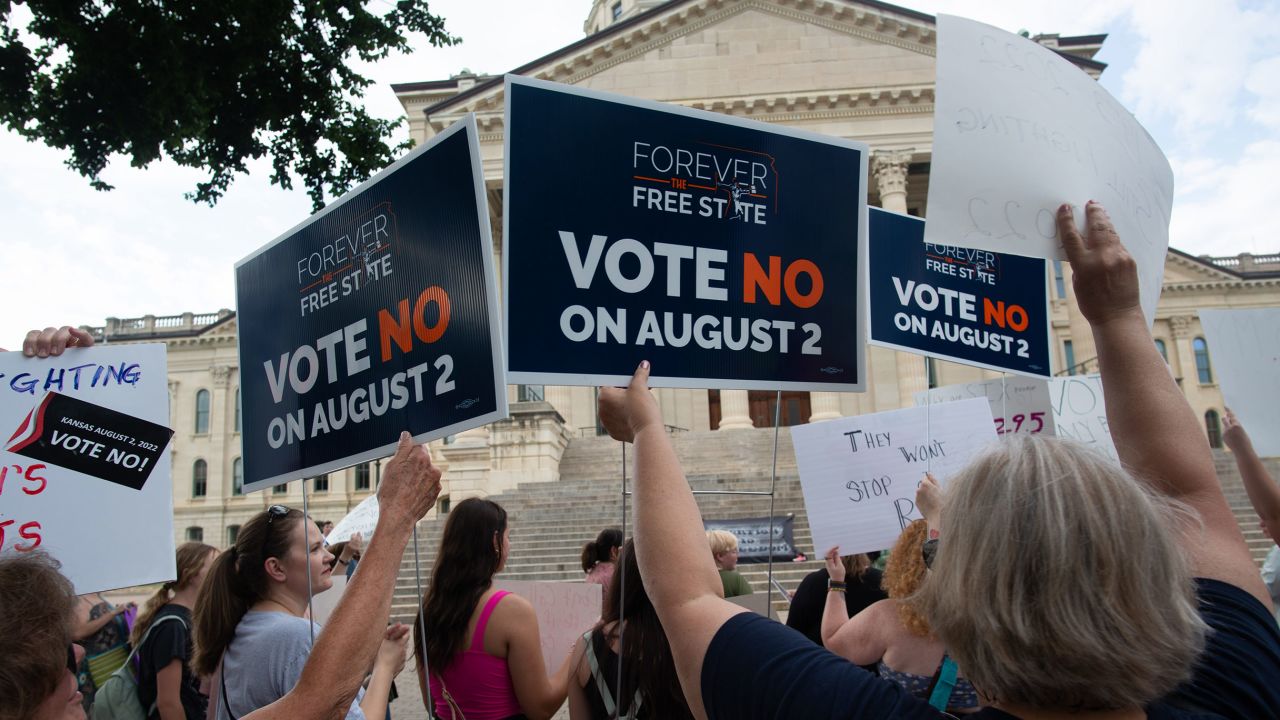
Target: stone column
[
  {"x": 890, "y": 170},
  {"x": 735, "y": 410},
  {"x": 825, "y": 406},
  {"x": 1183, "y": 353}
]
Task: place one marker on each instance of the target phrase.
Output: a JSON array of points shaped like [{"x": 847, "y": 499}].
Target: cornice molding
[
  {"x": 1232, "y": 284},
  {"x": 847, "y": 18},
  {"x": 818, "y": 105}
]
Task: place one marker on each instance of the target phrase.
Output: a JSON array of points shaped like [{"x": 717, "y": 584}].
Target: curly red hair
[{"x": 904, "y": 571}]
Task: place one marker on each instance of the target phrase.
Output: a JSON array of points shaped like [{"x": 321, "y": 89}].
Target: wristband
[{"x": 836, "y": 585}]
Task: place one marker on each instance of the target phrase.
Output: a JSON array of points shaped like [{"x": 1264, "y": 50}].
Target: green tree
[{"x": 210, "y": 84}]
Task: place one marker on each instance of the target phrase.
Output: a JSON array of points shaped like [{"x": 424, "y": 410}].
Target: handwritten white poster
[
  {"x": 1080, "y": 414},
  {"x": 362, "y": 519},
  {"x": 859, "y": 474},
  {"x": 84, "y": 469},
  {"x": 1018, "y": 404},
  {"x": 1018, "y": 130},
  {"x": 1244, "y": 352},
  {"x": 565, "y": 610}
]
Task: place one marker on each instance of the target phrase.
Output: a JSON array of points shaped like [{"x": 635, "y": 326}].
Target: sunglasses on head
[{"x": 276, "y": 511}]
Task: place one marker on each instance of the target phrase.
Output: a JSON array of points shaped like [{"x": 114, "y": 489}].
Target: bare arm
[
  {"x": 835, "y": 612},
  {"x": 859, "y": 640},
  {"x": 540, "y": 696},
  {"x": 671, "y": 546},
  {"x": 169, "y": 692},
  {"x": 86, "y": 628},
  {"x": 1263, "y": 492},
  {"x": 1156, "y": 433},
  {"x": 391, "y": 657},
  {"x": 342, "y": 653},
  {"x": 579, "y": 708}
]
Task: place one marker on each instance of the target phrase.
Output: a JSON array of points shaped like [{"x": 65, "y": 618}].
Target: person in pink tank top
[{"x": 483, "y": 651}]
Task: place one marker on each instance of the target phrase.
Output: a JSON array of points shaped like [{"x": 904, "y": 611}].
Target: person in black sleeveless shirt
[{"x": 649, "y": 685}]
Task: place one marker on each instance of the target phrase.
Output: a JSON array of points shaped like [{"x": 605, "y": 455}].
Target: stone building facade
[{"x": 847, "y": 68}]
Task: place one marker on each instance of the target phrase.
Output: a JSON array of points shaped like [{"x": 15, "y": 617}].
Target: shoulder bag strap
[
  {"x": 943, "y": 684},
  {"x": 129, "y": 662},
  {"x": 222, "y": 675}
]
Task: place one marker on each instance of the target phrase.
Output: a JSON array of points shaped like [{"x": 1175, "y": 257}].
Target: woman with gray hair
[{"x": 1062, "y": 584}]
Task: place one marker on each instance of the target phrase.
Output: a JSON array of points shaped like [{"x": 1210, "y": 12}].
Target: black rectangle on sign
[{"x": 91, "y": 439}]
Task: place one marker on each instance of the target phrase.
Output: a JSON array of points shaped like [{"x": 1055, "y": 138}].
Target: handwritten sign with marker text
[
  {"x": 1080, "y": 412},
  {"x": 859, "y": 474},
  {"x": 726, "y": 251},
  {"x": 376, "y": 315},
  {"x": 1019, "y": 130},
  {"x": 1244, "y": 346},
  {"x": 84, "y": 469},
  {"x": 1018, "y": 404}
]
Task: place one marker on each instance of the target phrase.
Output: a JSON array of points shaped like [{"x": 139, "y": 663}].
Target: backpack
[{"x": 117, "y": 698}]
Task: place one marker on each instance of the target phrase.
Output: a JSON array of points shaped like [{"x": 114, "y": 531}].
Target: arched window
[
  {"x": 237, "y": 428},
  {"x": 1202, "y": 361},
  {"x": 237, "y": 477},
  {"x": 202, "y": 412},
  {"x": 199, "y": 479},
  {"x": 1164, "y": 353},
  {"x": 1213, "y": 427}
]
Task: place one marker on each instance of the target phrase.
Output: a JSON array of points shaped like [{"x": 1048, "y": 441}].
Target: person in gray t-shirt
[
  {"x": 264, "y": 662},
  {"x": 255, "y": 639}
]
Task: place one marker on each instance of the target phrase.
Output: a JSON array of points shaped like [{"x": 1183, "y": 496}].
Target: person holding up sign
[
  {"x": 1263, "y": 493},
  {"x": 1022, "y": 528},
  {"x": 250, "y": 620},
  {"x": 892, "y": 634}
]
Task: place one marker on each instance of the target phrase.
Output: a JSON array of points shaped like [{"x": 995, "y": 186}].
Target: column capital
[
  {"x": 221, "y": 375},
  {"x": 889, "y": 167}
]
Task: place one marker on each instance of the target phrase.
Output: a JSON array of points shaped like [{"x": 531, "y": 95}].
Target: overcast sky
[{"x": 1203, "y": 77}]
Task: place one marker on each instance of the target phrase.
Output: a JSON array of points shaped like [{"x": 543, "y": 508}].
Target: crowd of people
[{"x": 1044, "y": 582}]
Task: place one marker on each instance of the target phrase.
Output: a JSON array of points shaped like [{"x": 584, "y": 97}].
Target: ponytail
[
  {"x": 222, "y": 604},
  {"x": 190, "y": 560},
  {"x": 158, "y": 599},
  {"x": 601, "y": 549},
  {"x": 236, "y": 582}
]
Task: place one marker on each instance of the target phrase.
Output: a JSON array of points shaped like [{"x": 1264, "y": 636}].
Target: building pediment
[
  {"x": 1179, "y": 268},
  {"x": 748, "y": 57}
]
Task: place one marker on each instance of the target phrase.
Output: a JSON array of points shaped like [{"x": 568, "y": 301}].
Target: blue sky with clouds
[{"x": 1202, "y": 76}]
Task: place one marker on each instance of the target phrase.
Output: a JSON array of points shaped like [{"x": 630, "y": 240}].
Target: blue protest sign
[
  {"x": 972, "y": 306},
  {"x": 725, "y": 251},
  {"x": 377, "y": 314}
]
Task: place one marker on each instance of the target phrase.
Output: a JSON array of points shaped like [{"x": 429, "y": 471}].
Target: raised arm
[
  {"x": 345, "y": 650},
  {"x": 1263, "y": 492},
  {"x": 1155, "y": 431},
  {"x": 671, "y": 546}
]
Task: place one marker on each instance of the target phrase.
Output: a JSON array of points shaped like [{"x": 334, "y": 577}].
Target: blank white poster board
[
  {"x": 565, "y": 610},
  {"x": 1018, "y": 130},
  {"x": 859, "y": 474},
  {"x": 1244, "y": 354}
]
